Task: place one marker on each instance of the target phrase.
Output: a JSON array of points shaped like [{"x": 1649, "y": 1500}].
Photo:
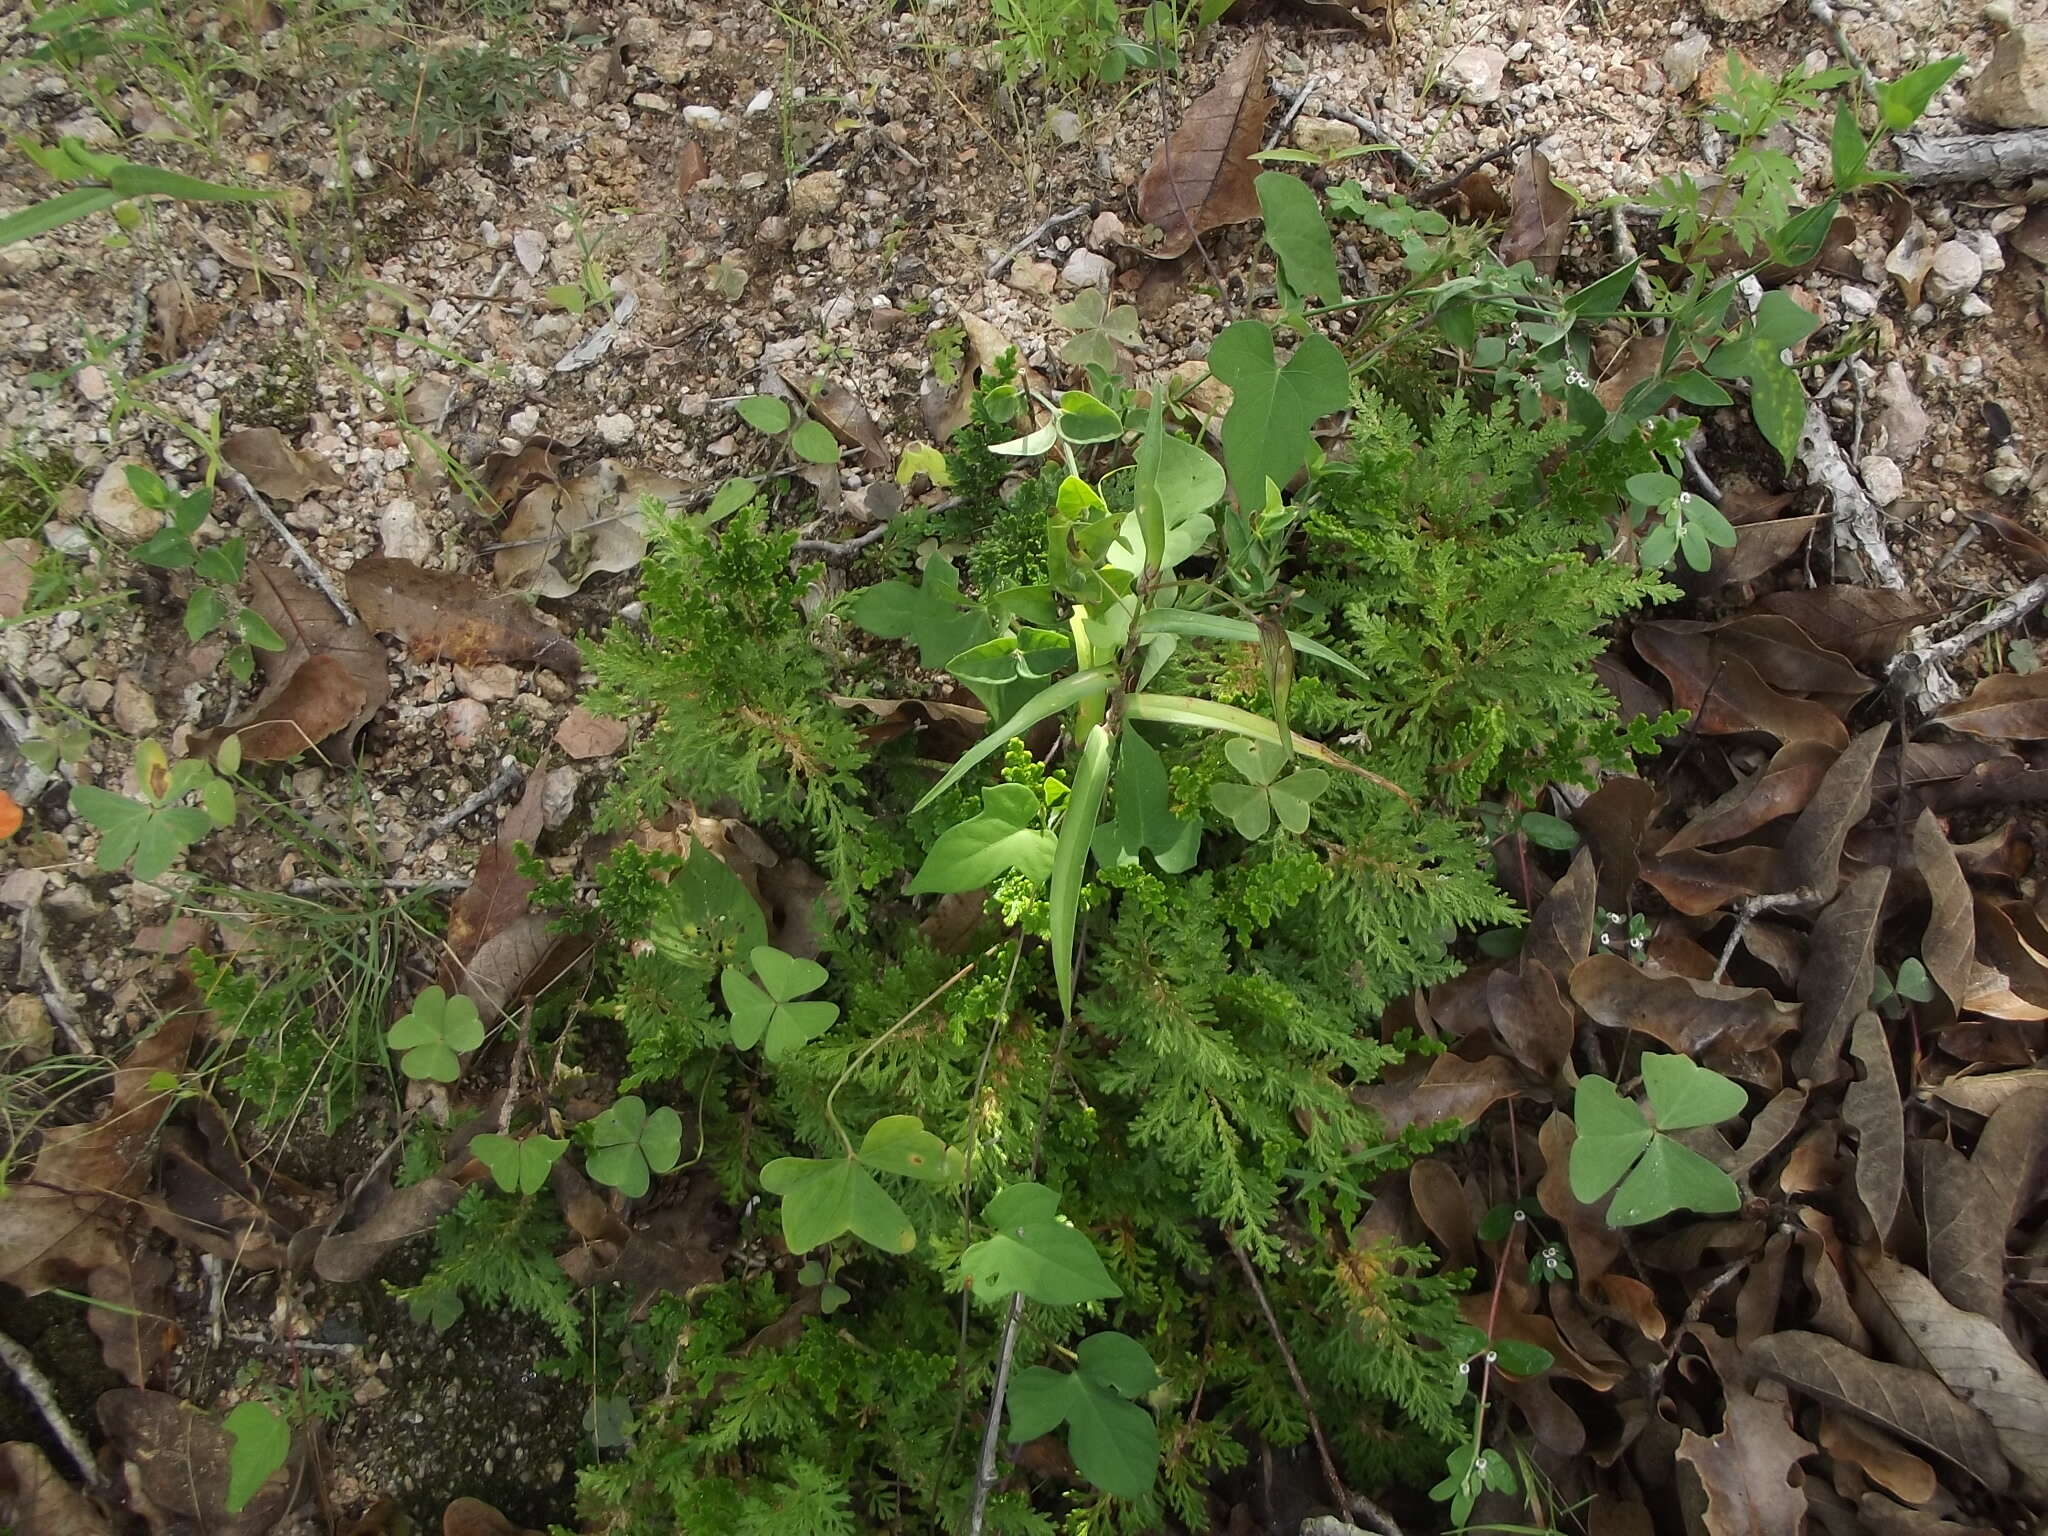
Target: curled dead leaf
[
  {"x": 441, "y": 614},
  {"x": 2009, "y": 706},
  {"x": 274, "y": 467},
  {"x": 1687, "y": 1016},
  {"x": 405, "y": 1214},
  {"x": 1748, "y": 1474},
  {"x": 1539, "y": 216},
  {"x": 562, "y": 534}
]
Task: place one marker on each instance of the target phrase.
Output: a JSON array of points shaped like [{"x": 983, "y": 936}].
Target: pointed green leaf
[
  {"x": 1005, "y": 836},
  {"x": 901, "y": 1144},
  {"x": 932, "y": 615},
  {"x": 1117, "y": 1361},
  {"x": 1216, "y": 626},
  {"x": 1070, "y": 855},
  {"x": 1292, "y": 797},
  {"x": 1063, "y": 694},
  {"x": 814, "y": 443},
  {"x": 764, "y": 413},
  {"x": 1142, "y": 818},
  {"x": 1048, "y": 1261},
  {"x": 55, "y": 213},
  {"x": 1249, "y": 807},
  {"x": 1299, "y": 236},
  {"x": 259, "y": 1441},
  {"x": 1273, "y": 409}
]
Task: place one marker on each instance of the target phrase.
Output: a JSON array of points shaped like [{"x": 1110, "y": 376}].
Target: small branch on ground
[
  {"x": 510, "y": 776},
  {"x": 39, "y": 1391},
  {"x": 1858, "y": 520},
  {"x": 985, "y": 1469},
  {"x": 1824, "y": 13},
  {"x": 1293, "y": 110},
  {"x": 1038, "y": 232},
  {"x": 1747, "y": 911},
  {"x": 1930, "y": 162},
  {"x": 1443, "y": 186},
  {"x": 1921, "y": 674},
  {"x": 291, "y": 542},
  {"x": 828, "y": 550}
]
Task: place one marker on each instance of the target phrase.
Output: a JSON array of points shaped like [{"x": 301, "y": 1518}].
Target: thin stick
[
  {"x": 839, "y": 551},
  {"x": 44, "y": 1396},
  {"x": 1746, "y": 912},
  {"x": 509, "y": 776},
  {"x": 1038, "y": 232},
  {"x": 1410, "y": 166},
  {"x": 240, "y": 482},
  {"x": 1824, "y": 13},
  {"x": 1446, "y": 184},
  {"x": 1293, "y": 111},
  {"x": 985, "y": 1469},
  {"x": 1348, "y": 1503}
]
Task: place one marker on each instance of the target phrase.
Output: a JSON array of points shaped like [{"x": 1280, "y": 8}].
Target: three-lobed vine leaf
[
  {"x": 824, "y": 1198},
  {"x": 1114, "y": 1441},
  {"x": 1032, "y": 1250},
  {"x": 1266, "y": 797},
  {"x": 1008, "y": 834},
  {"x": 1273, "y": 407},
  {"x": 519, "y": 1165}
]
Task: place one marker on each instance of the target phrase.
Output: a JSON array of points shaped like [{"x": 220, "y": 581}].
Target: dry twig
[{"x": 39, "y": 1391}]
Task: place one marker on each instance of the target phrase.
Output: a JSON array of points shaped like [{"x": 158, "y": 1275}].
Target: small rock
[
  {"x": 2004, "y": 480},
  {"x": 91, "y": 383},
  {"x": 583, "y": 735},
  {"x": 25, "y": 1027},
  {"x": 1973, "y": 307},
  {"x": 1683, "y": 61},
  {"x": 15, "y": 89},
  {"x": 531, "y": 249},
  {"x": 1472, "y": 74},
  {"x": 117, "y": 510},
  {"x": 1087, "y": 269},
  {"x": 73, "y": 903},
  {"x": 558, "y": 795},
  {"x": 1106, "y": 230},
  {"x": 134, "y": 710},
  {"x": 1882, "y": 478},
  {"x": 1985, "y": 244},
  {"x": 649, "y": 101},
  {"x": 1037, "y": 277},
  {"x": 1902, "y": 420},
  {"x": 1741, "y": 11},
  {"x": 402, "y": 535},
  {"x": 1065, "y": 126},
  {"x": 466, "y": 720},
  {"x": 1860, "y": 302},
  {"x": 96, "y": 694},
  {"x": 616, "y": 429},
  {"x": 23, "y": 888},
  {"x": 817, "y": 194},
  {"x": 489, "y": 684},
  {"x": 1998, "y": 13},
  {"x": 1955, "y": 272},
  {"x": 1325, "y": 135},
  {"x": 641, "y": 33},
  {"x": 707, "y": 118},
  {"x": 524, "y": 422},
  {"x": 2012, "y": 92},
  {"x": 835, "y": 312}
]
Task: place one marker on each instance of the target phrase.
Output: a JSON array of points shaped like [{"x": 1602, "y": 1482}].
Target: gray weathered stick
[{"x": 1926, "y": 161}]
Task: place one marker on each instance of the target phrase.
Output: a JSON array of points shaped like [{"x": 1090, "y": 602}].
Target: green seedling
[
  {"x": 629, "y": 1144},
  {"x": 154, "y": 829},
  {"x": 519, "y": 1164},
  {"x": 217, "y": 567},
  {"x": 823, "y": 1198},
  {"x": 434, "y": 1035},
  {"x": 1114, "y": 1442},
  {"x": 768, "y": 1014}
]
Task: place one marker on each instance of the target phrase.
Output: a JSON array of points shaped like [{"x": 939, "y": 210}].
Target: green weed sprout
[
  {"x": 154, "y": 830},
  {"x": 98, "y": 182},
  {"x": 434, "y": 1035}
]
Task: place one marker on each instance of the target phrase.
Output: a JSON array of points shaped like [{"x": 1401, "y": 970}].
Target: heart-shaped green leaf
[
  {"x": 520, "y": 1166},
  {"x": 823, "y": 1198},
  {"x": 1684, "y": 1094},
  {"x": 1670, "y": 1178},
  {"x": 1611, "y": 1136},
  {"x": 901, "y": 1144},
  {"x": 1006, "y": 835},
  {"x": 434, "y": 1034},
  {"x": 1033, "y": 1251},
  {"x": 1273, "y": 409}
]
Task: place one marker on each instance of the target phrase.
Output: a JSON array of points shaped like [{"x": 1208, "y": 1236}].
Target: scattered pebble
[
  {"x": 1954, "y": 272},
  {"x": 491, "y": 684},
  {"x": 583, "y": 735},
  {"x": 1087, "y": 269},
  {"x": 1472, "y": 74},
  {"x": 116, "y": 508},
  {"x": 402, "y": 535},
  {"x": 558, "y": 795},
  {"x": 616, "y": 429},
  {"x": 2012, "y": 90},
  {"x": 1882, "y": 478},
  {"x": 816, "y": 195}
]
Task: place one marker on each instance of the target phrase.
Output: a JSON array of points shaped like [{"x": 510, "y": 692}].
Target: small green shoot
[
  {"x": 153, "y": 831},
  {"x": 434, "y": 1034}
]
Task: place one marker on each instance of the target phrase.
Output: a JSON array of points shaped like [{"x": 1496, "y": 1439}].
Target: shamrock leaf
[
  {"x": 434, "y": 1035},
  {"x": 629, "y": 1144},
  {"x": 1035, "y": 1252},
  {"x": 1611, "y": 1136},
  {"x": 1253, "y": 807},
  {"x": 825, "y": 1197},
  {"x": 1273, "y": 408},
  {"x": 520, "y": 1166},
  {"x": 1684, "y": 1094},
  {"x": 769, "y": 1011},
  {"x": 1617, "y": 1145},
  {"x": 1006, "y": 835},
  {"x": 1115, "y": 1443},
  {"x": 1671, "y": 1178}
]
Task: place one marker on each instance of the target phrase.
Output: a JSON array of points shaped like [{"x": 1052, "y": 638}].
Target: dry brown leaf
[
  {"x": 1976, "y": 1361},
  {"x": 18, "y": 559},
  {"x": 2024, "y": 545},
  {"x": 1783, "y": 788},
  {"x": 1813, "y": 849},
  {"x": 1748, "y": 1475},
  {"x": 1881, "y": 1458},
  {"x": 1452, "y": 1088},
  {"x": 1950, "y": 939},
  {"x": 1865, "y": 624},
  {"x": 583, "y": 735},
  {"x": 1786, "y": 657},
  {"x": 1560, "y": 932},
  {"x": 1873, "y": 1109},
  {"x": 2010, "y": 706},
  {"x": 1531, "y": 1018},
  {"x": 405, "y": 1214},
  {"x": 507, "y": 477},
  {"x": 1971, "y": 1206},
  {"x": 1912, "y": 1404},
  {"x": 562, "y": 534},
  {"x": 1633, "y": 1300},
  {"x": 1760, "y": 548},
  {"x": 1689, "y": 1017},
  {"x": 275, "y": 467},
  {"x": 1981, "y": 1094},
  {"x": 442, "y": 614},
  {"x": 179, "y": 1458},
  {"x": 1594, "y": 1244},
  {"x": 1539, "y": 216},
  {"x": 35, "y": 1500},
  {"x": 1724, "y": 691},
  {"x": 1202, "y": 177},
  {"x": 473, "y": 1517},
  {"x": 1614, "y": 819},
  {"x": 1834, "y": 985},
  {"x": 1445, "y": 1208},
  {"x": 289, "y": 713},
  {"x": 691, "y": 168},
  {"x": 241, "y": 256},
  {"x": 1696, "y": 882},
  {"x": 2003, "y": 945},
  {"x": 843, "y": 415},
  {"x": 1767, "y": 1132},
  {"x": 133, "y": 1321}
]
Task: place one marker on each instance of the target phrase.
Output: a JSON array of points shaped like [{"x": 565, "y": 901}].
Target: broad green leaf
[
  {"x": 630, "y": 1142},
  {"x": 1070, "y": 855},
  {"x": 165, "y": 836},
  {"x": 1046, "y": 1259},
  {"x": 764, "y": 413},
  {"x": 785, "y": 976},
  {"x": 1913, "y": 982},
  {"x": 661, "y": 1140},
  {"x": 1141, "y": 818},
  {"x": 55, "y": 213},
  {"x": 1684, "y": 1094},
  {"x": 1900, "y": 102},
  {"x": 1273, "y": 409},
  {"x": 933, "y": 615},
  {"x": 1671, "y": 1178},
  {"x": 901, "y": 1144},
  {"x": 1216, "y": 626},
  {"x": 1084, "y": 419},
  {"x": 1006, "y": 835},
  {"x": 709, "y": 916},
  {"x": 823, "y": 1198},
  {"x": 1016, "y": 1204},
  {"x": 520, "y": 1166},
  {"x": 1065, "y": 693},
  {"x": 1261, "y": 762},
  {"x": 1695, "y": 388},
  {"x": 222, "y": 562},
  {"x": 732, "y": 495},
  {"x": 1031, "y": 444},
  {"x": 1777, "y": 401},
  {"x": 1599, "y": 299},
  {"x": 1519, "y": 1358},
  {"x": 1114, "y": 1442},
  {"x": 205, "y": 611},
  {"x": 166, "y": 549},
  {"x": 1299, "y": 236},
  {"x": 1117, "y": 1361},
  {"x": 814, "y": 443},
  {"x": 259, "y": 1441},
  {"x": 1652, "y": 488},
  {"x": 257, "y": 631},
  {"x": 1547, "y": 831},
  {"x": 777, "y": 1025},
  {"x": 1781, "y": 321},
  {"x": 1800, "y": 239},
  {"x": 1008, "y": 670},
  {"x": 1848, "y": 150},
  {"x": 131, "y": 180},
  {"x": 1611, "y": 1136}
]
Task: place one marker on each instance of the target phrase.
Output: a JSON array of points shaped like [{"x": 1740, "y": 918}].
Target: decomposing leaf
[
  {"x": 1696, "y": 882},
  {"x": 2001, "y": 944},
  {"x": 842, "y": 413},
  {"x": 1976, "y": 1361},
  {"x": 1949, "y": 942},
  {"x": 1882, "y": 1459},
  {"x": 562, "y": 534},
  {"x": 1451, "y": 1088},
  {"x": 473, "y": 1517},
  {"x": 275, "y": 467},
  {"x": 1874, "y": 1110},
  {"x": 507, "y": 477},
  {"x": 497, "y": 948},
  {"x": 133, "y": 1321},
  {"x": 407, "y": 1213},
  {"x": 1531, "y": 1017},
  {"x": 1748, "y": 1474},
  {"x": 1724, "y": 691},
  {"x": 1865, "y": 624},
  {"x": 36, "y": 1500},
  {"x": 1760, "y": 548},
  {"x": 18, "y": 559},
  {"x": 1690, "y": 1017},
  {"x": 1813, "y": 849},
  {"x": 583, "y": 735},
  {"x": 2008, "y": 706},
  {"x": 321, "y": 696},
  {"x": 1202, "y": 177},
  {"x": 1912, "y": 1404},
  {"x": 1783, "y": 788},
  {"x": 442, "y": 614},
  {"x": 1560, "y": 932},
  {"x": 1971, "y": 1203},
  {"x": 1594, "y": 1244},
  {"x": 181, "y": 1463},
  {"x": 1539, "y": 215},
  {"x": 1834, "y": 985},
  {"x": 691, "y": 168}
]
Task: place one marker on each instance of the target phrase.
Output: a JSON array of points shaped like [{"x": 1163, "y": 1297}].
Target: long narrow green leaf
[
  {"x": 1176, "y": 709},
  {"x": 132, "y": 180},
  {"x": 1063, "y": 694},
  {"x": 1070, "y": 858},
  {"x": 1216, "y": 626},
  {"x": 55, "y": 212}
]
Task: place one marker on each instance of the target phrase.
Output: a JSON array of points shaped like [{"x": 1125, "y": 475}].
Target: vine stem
[{"x": 876, "y": 1044}]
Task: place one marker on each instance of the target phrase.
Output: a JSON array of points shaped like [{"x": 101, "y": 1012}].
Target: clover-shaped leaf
[
  {"x": 629, "y": 1143},
  {"x": 1618, "y": 1146},
  {"x": 519, "y": 1165},
  {"x": 1253, "y": 807},
  {"x": 1115, "y": 1443},
  {"x": 434, "y": 1035},
  {"x": 768, "y": 1014},
  {"x": 1035, "y": 1252}
]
